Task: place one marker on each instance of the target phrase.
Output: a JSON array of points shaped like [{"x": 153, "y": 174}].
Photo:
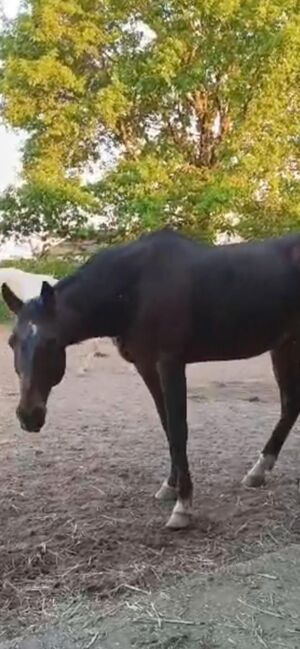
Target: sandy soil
[{"x": 77, "y": 513}]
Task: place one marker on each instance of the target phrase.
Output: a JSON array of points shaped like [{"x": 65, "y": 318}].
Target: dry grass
[
  {"x": 78, "y": 518},
  {"x": 64, "y": 567}
]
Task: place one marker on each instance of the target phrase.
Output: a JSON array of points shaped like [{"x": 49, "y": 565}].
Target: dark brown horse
[{"x": 169, "y": 301}]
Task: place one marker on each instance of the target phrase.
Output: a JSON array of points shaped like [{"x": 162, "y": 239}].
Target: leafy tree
[
  {"x": 32, "y": 208},
  {"x": 196, "y": 102}
]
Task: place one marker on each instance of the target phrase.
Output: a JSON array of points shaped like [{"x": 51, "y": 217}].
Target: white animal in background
[
  {"x": 27, "y": 286},
  {"x": 24, "y": 285}
]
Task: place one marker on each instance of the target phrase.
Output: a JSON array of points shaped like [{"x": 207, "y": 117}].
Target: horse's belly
[
  {"x": 225, "y": 353},
  {"x": 234, "y": 346}
]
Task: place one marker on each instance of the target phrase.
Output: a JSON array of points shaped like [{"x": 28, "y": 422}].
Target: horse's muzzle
[{"x": 32, "y": 421}]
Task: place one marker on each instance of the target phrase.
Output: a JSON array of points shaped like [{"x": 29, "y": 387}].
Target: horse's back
[{"x": 215, "y": 302}]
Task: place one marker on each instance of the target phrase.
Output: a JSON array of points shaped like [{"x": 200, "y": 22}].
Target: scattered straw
[
  {"x": 93, "y": 640},
  {"x": 159, "y": 621},
  {"x": 260, "y": 610}
]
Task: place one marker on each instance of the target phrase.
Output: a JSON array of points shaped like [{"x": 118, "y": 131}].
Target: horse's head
[{"x": 39, "y": 356}]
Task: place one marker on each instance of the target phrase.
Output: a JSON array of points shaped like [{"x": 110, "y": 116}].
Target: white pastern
[
  {"x": 181, "y": 515},
  {"x": 257, "y": 475}
]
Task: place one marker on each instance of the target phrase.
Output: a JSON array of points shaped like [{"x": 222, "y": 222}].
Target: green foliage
[
  {"x": 44, "y": 265},
  {"x": 80, "y": 81},
  {"x": 4, "y": 312},
  {"x": 42, "y": 209}
]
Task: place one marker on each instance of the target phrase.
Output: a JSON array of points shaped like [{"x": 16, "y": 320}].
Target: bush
[
  {"x": 44, "y": 265},
  {"x": 5, "y": 316}
]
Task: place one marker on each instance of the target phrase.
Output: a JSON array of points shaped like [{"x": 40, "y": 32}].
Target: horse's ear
[
  {"x": 11, "y": 300},
  {"x": 48, "y": 295}
]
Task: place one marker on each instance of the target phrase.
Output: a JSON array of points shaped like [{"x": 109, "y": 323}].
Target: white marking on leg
[
  {"x": 257, "y": 475},
  {"x": 181, "y": 515},
  {"x": 166, "y": 492}
]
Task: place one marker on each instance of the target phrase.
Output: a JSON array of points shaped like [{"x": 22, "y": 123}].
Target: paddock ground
[{"x": 83, "y": 548}]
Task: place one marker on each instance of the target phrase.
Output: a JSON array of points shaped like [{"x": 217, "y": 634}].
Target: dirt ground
[{"x": 77, "y": 513}]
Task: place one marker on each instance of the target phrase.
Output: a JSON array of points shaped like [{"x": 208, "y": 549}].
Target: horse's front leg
[
  {"x": 150, "y": 376},
  {"x": 173, "y": 382}
]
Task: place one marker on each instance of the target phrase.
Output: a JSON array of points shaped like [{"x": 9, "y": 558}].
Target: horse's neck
[
  {"x": 86, "y": 312},
  {"x": 98, "y": 299}
]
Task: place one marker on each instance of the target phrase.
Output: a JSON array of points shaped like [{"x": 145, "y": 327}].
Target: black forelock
[{"x": 33, "y": 310}]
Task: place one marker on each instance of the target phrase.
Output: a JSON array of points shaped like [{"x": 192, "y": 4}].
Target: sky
[{"x": 10, "y": 141}]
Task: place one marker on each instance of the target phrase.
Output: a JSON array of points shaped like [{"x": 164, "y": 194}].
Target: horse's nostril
[{"x": 33, "y": 420}]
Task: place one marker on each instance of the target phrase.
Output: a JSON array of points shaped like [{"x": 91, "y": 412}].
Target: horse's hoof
[
  {"x": 254, "y": 481},
  {"x": 166, "y": 493},
  {"x": 181, "y": 515},
  {"x": 179, "y": 521}
]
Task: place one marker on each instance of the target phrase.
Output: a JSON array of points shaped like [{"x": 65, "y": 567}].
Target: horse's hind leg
[
  {"x": 151, "y": 379},
  {"x": 173, "y": 383},
  {"x": 286, "y": 367}
]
